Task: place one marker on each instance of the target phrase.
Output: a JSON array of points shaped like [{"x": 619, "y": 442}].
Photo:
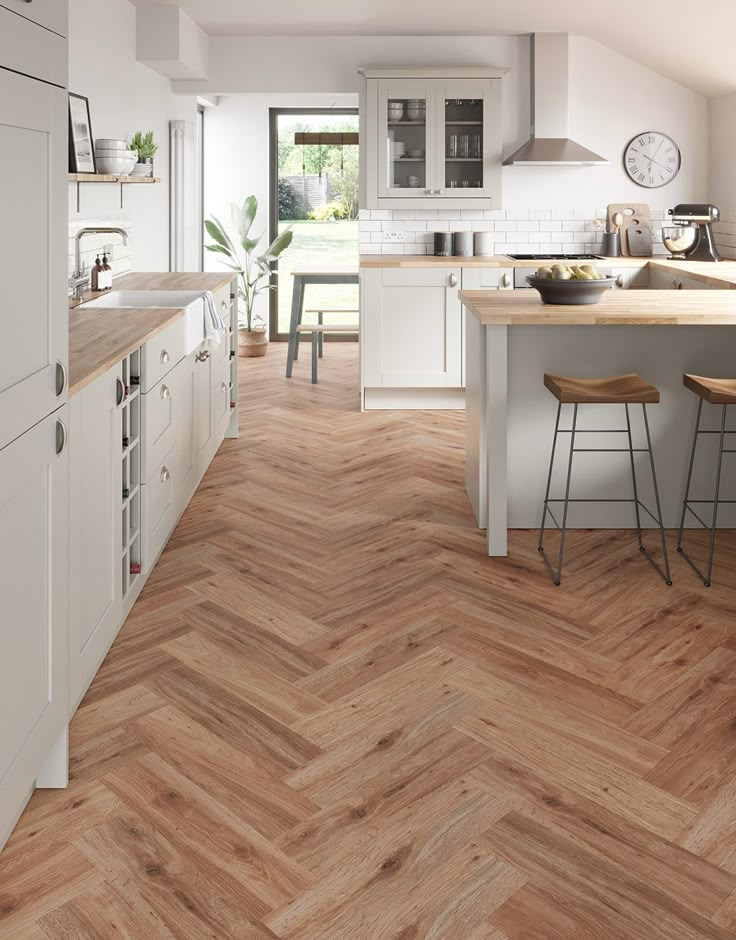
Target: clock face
[{"x": 652, "y": 159}]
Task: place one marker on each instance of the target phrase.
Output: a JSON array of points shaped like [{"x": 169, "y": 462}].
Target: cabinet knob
[
  {"x": 61, "y": 376},
  {"x": 165, "y": 392},
  {"x": 223, "y": 306},
  {"x": 203, "y": 356},
  {"x": 165, "y": 475},
  {"x": 164, "y": 357},
  {"x": 505, "y": 280},
  {"x": 439, "y": 192},
  {"x": 620, "y": 281},
  {"x": 223, "y": 387},
  {"x": 453, "y": 280},
  {"x": 60, "y": 436}
]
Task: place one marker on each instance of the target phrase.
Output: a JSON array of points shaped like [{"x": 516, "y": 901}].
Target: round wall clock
[{"x": 652, "y": 159}]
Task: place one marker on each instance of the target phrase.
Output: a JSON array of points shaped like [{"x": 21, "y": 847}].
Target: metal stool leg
[
  {"x": 689, "y": 476},
  {"x": 320, "y": 320},
  {"x": 315, "y": 351},
  {"x": 557, "y": 577},
  {"x": 666, "y": 575},
  {"x": 633, "y": 478},
  {"x": 715, "y": 501},
  {"x": 545, "y": 508}
]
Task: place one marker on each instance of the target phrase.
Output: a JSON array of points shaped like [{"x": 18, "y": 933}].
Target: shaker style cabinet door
[
  {"x": 33, "y": 352},
  {"x": 411, "y": 328},
  {"x": 51, "y": 14},
  {"x": 406, "y": 139},
  {"x": 34, "y": 507},
  {"x": 468, "y": 139},
  {"x": 95, "y": 527}
]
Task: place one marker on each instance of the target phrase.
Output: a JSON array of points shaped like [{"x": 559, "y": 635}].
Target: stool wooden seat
[
  {"x": 616, "y": 390},
  {"x": 714, "y": 391}
]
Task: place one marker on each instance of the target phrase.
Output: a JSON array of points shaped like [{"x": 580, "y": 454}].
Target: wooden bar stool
[
  {"x": 619, "y": 390},
  {"x": 715, "y": 392}
]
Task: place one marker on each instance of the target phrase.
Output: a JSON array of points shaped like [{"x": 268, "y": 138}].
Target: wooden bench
[{"x": 318, "y": 331}]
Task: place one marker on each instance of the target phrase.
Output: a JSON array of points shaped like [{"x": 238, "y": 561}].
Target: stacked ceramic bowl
[
  {"x": 395, "y": 111},
  {"x": 416, "y": 109},
  {"x": 113, "y": 157}
]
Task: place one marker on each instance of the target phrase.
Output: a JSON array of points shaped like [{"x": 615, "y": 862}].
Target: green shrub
[{"x": 328, "y": 213}]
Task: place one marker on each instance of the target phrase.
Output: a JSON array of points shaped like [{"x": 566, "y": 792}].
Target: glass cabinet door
[
  {"x": 406, "y": 135},
  {"x": 467, "y": 112}
]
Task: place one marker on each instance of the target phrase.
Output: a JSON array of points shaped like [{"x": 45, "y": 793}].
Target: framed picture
[{"x": 81, "y": 146}]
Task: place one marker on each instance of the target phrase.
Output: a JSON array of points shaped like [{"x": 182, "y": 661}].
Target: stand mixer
[{"x": 690, "y": 236}]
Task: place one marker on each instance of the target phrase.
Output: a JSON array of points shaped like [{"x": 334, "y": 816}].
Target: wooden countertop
[
  {"x": 717, "y": 274},
  {"x": 623, "y": 308},
  {"x": 101, "y": 336}
]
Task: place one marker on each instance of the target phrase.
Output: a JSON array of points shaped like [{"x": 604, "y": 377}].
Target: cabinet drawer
[
  {"x": 158, "y": 507},
  {"x": 162, "y": 353},
  {"x": 157, "y": 423},
  {"x": 52, "y": 14}
]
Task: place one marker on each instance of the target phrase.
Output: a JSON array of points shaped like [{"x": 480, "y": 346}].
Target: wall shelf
[{"x": 80, "y": 178}]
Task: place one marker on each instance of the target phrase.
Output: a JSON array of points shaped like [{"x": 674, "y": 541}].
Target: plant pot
[
  {"x": 144, "y": 167},
  {"x": 252, "y": 342}
]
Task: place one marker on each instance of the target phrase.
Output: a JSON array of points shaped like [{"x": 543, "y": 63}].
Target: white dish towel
[{"x": 213, "y": 326}]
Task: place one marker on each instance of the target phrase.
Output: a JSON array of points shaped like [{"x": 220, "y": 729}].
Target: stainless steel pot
[{"x": 679, "y": 239}]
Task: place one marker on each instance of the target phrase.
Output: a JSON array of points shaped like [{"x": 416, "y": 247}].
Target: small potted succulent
[
  {"x": 254, "y": 270},
  {"x": 147, "y": 148}
]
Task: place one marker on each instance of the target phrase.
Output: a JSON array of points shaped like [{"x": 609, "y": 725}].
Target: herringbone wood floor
[{"x": 331, "y": 717}]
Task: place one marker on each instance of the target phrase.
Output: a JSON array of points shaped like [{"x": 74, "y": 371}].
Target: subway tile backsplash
[
  {"x": 567, "y": 230},
  {"x": 94, "y": 245}
]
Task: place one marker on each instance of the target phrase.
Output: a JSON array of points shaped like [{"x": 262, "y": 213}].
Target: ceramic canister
[
  {"x": 483, "y": 244},
  {"x": 462, "y": 244},
  {"x": 442, "y": 244}
]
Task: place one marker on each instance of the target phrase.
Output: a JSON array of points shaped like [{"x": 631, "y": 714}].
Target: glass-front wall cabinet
[{"x": 433, "y": 140}]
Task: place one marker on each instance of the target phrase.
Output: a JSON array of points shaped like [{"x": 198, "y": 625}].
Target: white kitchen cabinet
[
  {"x": 51, "y": 14},
  {"x": 431, "y": 137},
  {"x": 95, "y": 526},
  {"x": 185, "y": 462},
  {"x": 411, "y": 328},
  {"x": 159, "y": 509},
  {"x": 204, "y": 383},
  {"x": 33, "y": 353},
  {"x": 34, "y": 507}
]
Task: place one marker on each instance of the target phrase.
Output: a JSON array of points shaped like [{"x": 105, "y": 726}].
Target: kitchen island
[{"x": 512, "y": 339}]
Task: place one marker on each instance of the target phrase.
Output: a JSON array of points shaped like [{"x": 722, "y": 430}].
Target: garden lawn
[{"x": 318, "y": 243}]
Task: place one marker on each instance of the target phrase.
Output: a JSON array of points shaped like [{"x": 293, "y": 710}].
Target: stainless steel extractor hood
[{"x": 550, "y": 144}]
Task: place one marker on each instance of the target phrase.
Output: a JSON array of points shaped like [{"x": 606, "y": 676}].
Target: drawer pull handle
[
  {"x": 120, "y": 390},
  {"x": 165, "y": 475},
  {"x": 60, "y": 436},
  {"x": 453, "y": 280},
  {"x": 61, "y": 376},
  {"x": 203, "y": 356},
  {"x": 164, "y": 357},
  {"x": 165, "y": 392}
]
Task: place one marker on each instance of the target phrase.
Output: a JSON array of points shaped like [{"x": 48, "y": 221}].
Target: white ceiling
[{"x": 690, "y": 41}]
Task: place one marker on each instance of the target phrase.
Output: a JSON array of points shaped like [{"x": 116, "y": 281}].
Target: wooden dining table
[{"x": 312, "y": 274}]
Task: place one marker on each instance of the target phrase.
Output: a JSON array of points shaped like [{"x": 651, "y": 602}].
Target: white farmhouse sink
[
  {"x": 145, "y": 298},
  {"x": 188, "y": 300}
]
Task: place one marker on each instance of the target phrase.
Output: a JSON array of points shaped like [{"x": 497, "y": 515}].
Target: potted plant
[
  {"x": 147, "y": 148},
  {"x": 253, "y": 269}
]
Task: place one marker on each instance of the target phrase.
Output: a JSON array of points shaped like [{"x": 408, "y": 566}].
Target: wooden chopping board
[{"x": 636, "y": 215}]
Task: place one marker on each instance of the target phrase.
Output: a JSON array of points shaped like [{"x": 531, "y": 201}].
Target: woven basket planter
[{"x": 252, "y": 342}]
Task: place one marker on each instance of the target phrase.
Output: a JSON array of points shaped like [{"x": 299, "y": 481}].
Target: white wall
[
  {"x": 124, "y": 96},
  {"x": 723, "y": 170}
]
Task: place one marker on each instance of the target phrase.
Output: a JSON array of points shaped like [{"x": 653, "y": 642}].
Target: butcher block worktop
[
  {"x": 715, "y": 274},
  {"x": 101, "y": 336},
  {"x": 625, "y": 307}
]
